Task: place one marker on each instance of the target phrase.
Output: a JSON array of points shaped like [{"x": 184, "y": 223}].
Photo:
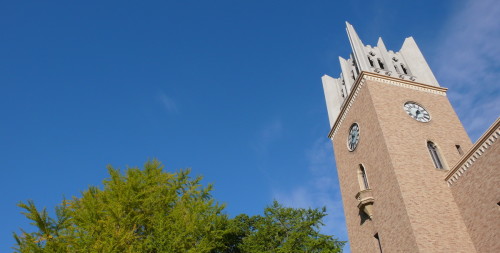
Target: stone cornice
[
  {"x": 381, "y": 79},
  {"x": 481, "y": 146}
]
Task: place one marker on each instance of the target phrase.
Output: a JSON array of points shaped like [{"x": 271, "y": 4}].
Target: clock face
[
  {"x": 353, "y": 138},
  {"x": 417, "y": 112}
]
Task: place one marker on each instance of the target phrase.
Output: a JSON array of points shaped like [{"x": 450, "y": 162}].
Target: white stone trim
[
  {"x": 347, "y": 106},
  {"x": 481, "y": 146},
  {"x": 381, "y": 79},
  {"x": 406, "y": 85}
]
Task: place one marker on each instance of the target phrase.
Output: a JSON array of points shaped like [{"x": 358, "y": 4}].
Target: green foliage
[
  {"x": 140, "y": 211},
  {"x": 284, "y": 229},
  {"x": 150, "y": 210}
]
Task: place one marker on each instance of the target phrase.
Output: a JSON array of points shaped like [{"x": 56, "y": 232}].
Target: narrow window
[
  {"x": 355, "y": 66},
  {"x": 371, "y": 61},
  {"x": 397, "y": 69},
  {"x": 363, "y": 178},
  {"x": 378, "y": 242},
  {"x": 404, "y": 69},
  {"x": 352, "y": 73},
  {"x": 459, "y": 149},
  {"x": 433, "y": 150},
  {"x": 380, "y": 63}
]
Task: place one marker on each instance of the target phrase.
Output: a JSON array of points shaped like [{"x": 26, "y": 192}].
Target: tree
[
  {"x": 140, "y": 211},
  {"x": 150, "y": 210},
  {"x": 284, "y": 229}
]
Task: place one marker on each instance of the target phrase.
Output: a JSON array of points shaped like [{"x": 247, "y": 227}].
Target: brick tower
[{"x": 395, "y": 136}]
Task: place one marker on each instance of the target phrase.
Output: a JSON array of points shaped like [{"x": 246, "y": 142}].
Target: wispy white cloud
[
  {"x": 168, "y": 103},
  {"x": 468, "y": 63},
  {"x": 320, "y": 188},
  {"x": 269, "y": 133}
]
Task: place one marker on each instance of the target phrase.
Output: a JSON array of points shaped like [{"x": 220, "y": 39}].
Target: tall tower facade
[{"x": 395, "y": 137}]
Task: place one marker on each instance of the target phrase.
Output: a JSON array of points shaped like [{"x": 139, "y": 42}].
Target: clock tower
[{"x": 395, "y": 136}]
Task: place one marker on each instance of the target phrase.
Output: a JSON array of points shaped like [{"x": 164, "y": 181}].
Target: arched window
[
  {"x": 363, "y": 179},
  {"x": 436, "y": 158}
]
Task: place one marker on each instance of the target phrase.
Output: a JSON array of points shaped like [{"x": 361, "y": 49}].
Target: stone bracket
[{"x": 365, "y": 199}]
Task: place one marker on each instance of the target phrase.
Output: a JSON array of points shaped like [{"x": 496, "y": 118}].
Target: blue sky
[{"x": 231, "y": 89}]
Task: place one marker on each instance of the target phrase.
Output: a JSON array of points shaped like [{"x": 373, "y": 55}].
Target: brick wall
[
  {"x": 477, "y": 193},
  {"x": 414, "y": 209}
]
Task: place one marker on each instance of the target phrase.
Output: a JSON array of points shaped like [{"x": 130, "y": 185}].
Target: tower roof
[{"x": 407, "y": 64}]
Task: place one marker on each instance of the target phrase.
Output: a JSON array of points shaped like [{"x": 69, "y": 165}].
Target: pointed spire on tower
[
  {"x": 380, "y": 44},
  {"x": 387, "y": 59},
  {"x": 407, "y": 64},
  {"x": 352, "y": 33},
  {"x": 416, "y": 62},
  {"x": 357, "y": 47}
]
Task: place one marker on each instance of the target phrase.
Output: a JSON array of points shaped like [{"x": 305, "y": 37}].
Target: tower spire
[
  {"x": 407, "y": 64},
  {"x": 357, "y": 47}
]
